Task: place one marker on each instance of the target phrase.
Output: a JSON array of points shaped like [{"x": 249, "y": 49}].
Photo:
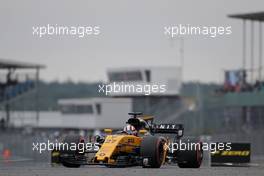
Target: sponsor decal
[{"x": 239, "y": 153}]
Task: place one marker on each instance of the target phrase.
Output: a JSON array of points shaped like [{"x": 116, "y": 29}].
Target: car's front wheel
[
  {"x": 68, "y": 156},
  {"x": 152, "y": 151}
]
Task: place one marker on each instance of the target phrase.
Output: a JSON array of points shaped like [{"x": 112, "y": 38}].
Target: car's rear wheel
[
  {"x": 70, "y": 155},
  {"x": 152, "y": 151},
  {"x": 192, "y": 157}
]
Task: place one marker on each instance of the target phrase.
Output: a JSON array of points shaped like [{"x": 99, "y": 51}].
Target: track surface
[{"x": 29, "y": 168}]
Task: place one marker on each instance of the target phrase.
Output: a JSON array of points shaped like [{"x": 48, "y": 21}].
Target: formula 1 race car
[{"x": 138, "y": 144}]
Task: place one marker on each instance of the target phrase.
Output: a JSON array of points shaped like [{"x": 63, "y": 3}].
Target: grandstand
[
  {"x": 17, "y": 79},
  {"x": 252, "y": 20}
]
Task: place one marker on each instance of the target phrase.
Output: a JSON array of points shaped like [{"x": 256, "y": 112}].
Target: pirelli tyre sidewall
[
  {"x": 152, "y": 151},
  {"x": 67, "y": 155},
  {"x": 190, "y": 158}
]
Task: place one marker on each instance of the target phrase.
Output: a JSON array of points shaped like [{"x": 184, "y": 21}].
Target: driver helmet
[{"x": 130, "y": 129}]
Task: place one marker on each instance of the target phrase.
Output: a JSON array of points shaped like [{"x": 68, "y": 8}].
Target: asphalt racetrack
[{"x": 29, "y": 168}]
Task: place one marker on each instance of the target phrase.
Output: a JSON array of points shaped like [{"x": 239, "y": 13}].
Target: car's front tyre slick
[
  {"x": 69, "y": 140},
  {"x": 152, "y": 151}
]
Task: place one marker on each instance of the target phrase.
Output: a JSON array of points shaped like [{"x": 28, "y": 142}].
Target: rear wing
[{"x": 168, "y": 129}]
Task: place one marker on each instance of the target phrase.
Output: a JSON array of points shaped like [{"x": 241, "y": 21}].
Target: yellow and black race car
[{"x": 138, "y": 144}]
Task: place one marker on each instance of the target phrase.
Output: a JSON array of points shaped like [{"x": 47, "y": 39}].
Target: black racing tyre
[
  {"x": 71, "y": 165},
  {"x": 192, "y": 157},
  {"x": 152, "y": 149},
  {"x": 76, "y": 139}
]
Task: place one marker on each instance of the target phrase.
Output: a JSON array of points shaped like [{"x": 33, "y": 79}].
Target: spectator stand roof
[
  {"x": 256, "y": 16},
  {"x": 11, "y": 64}
]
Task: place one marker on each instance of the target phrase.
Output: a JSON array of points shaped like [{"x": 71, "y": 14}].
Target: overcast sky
[{"x": 131, "y": 35}]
